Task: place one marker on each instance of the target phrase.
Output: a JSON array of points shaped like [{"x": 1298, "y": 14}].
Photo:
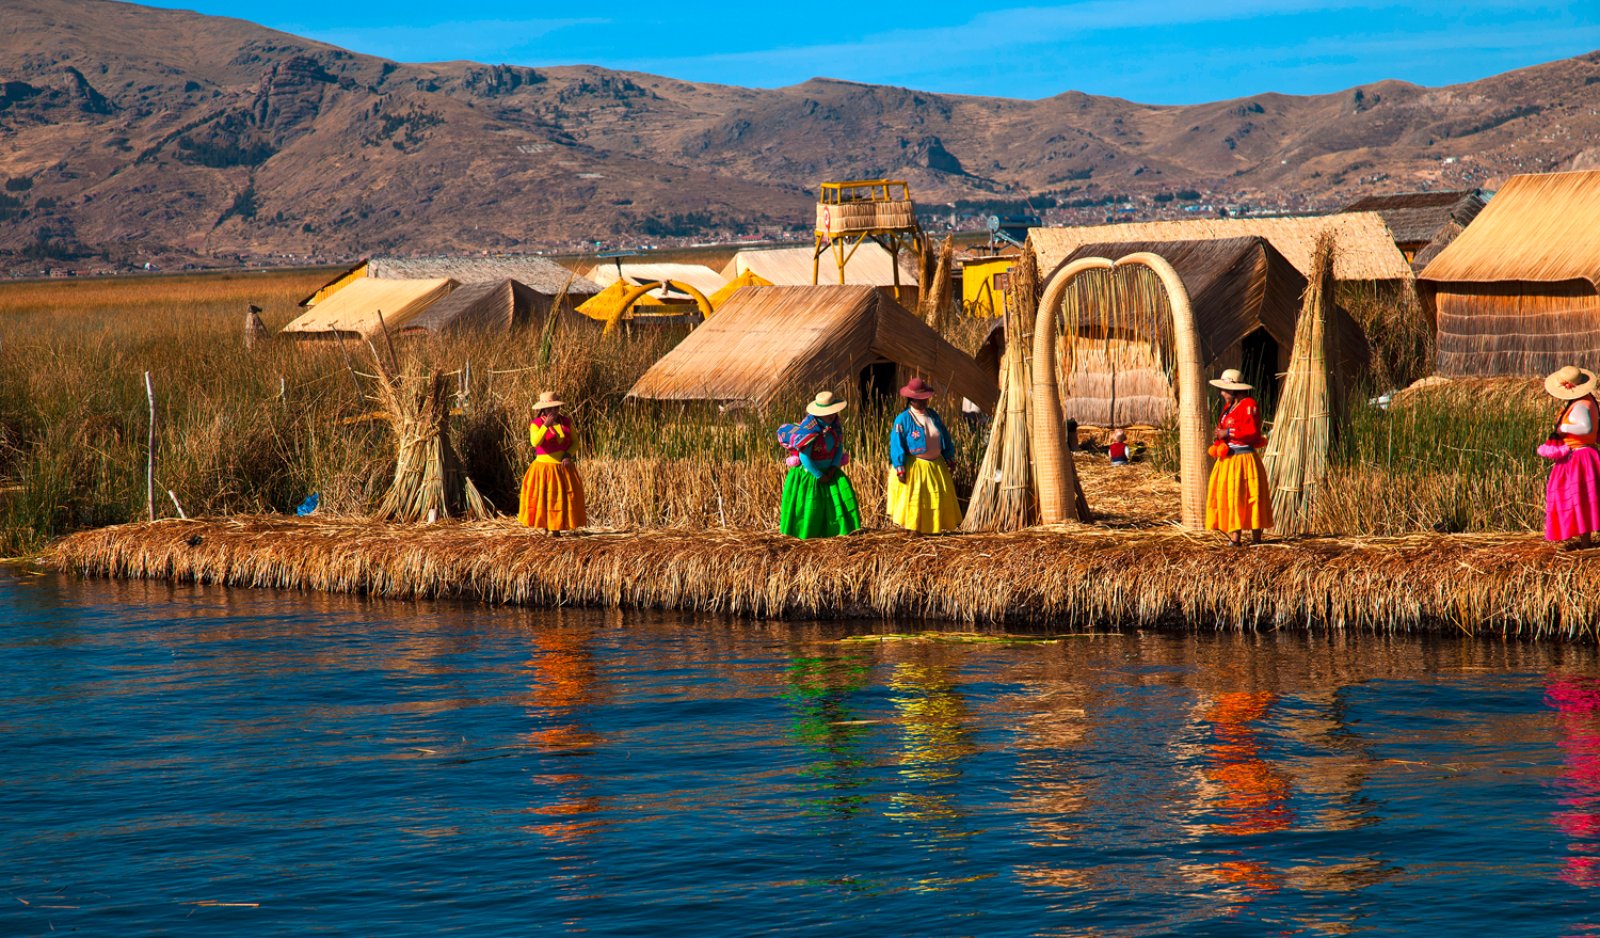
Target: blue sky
[{"x": 1159, "y": 51}]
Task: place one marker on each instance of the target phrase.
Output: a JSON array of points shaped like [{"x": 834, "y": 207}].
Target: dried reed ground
[{"x": 1128, "y": 569}]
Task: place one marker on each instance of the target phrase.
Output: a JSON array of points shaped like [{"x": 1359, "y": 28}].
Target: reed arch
[
  {"x": 1138, "y": 299},
  {"x": 637, "y": 293}
]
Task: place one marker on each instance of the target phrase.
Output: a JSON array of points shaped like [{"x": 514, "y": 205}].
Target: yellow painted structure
[
  {"x": 617, "y": 301},
  {"x": 336, "y": 284},
  {"x": 851, "y": 213},
  {"x": 983, "y": 286},
  {"x": 747, "y": 279}
]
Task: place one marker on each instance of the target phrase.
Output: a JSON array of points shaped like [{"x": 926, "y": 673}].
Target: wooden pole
[{"x": 150, "y": 458}]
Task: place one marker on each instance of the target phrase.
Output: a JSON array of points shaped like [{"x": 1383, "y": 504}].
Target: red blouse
[{"x": 1241, "y": 424}]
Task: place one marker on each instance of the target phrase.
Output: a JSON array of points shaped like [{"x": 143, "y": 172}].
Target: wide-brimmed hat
[
  {"x": 917, "y": 390},
  {"x": 1231, "y": 381},
  {"x": 824, "y": 405},
  {"x": 547, "y": 399},
  {"x": 1569, "y": 383}
]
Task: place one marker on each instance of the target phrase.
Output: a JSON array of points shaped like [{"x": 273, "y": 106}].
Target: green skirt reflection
[{"x": 814, "y": 507}]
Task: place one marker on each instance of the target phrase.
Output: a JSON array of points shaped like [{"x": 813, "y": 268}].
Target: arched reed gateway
[
  {"x": 1140, "y": 301},
  {"x": 1518, "y": 293},
  {"x": 1121, "y": 338}
]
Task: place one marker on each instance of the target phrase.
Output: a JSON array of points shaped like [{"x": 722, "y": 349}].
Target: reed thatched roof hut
[
  {"x": 771, "y": 341},
  {"x": 1423, "y": 220},
  {"x": 354, "y": 311},
  {"x": 480, "y": 307},
  {"x": 540, "y": 275},
  {"x": 1367, "y": 251},
  {"x": 1518, "y": 293},
  {"x": 1245, "y": 296}
]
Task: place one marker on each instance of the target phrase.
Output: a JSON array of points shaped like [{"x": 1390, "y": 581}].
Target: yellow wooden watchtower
[{"x": 850, "y": 213}]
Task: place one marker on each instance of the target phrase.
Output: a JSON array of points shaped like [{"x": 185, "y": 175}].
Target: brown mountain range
[{"x": 153, "y": 133}]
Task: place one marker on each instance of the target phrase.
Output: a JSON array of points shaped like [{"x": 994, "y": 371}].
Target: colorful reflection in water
[{"x": 263, "y": 763}]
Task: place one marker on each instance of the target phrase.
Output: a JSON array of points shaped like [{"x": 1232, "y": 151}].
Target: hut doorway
[
  {"x": 878, "y": 383},
  {"x": 1258, "y": 365}
]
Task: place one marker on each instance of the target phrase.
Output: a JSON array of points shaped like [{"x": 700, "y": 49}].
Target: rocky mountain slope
[{"x": 152, "y": 133}]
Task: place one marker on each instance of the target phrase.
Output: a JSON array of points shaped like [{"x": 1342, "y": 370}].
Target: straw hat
[
  {"x": 547, "y": 399},
  {"x": 1569, "y": 383},
  {"x": 825, "y": 405},
  {"x": 917, "y": 390},
  {"x": 1230, "y": 381}
]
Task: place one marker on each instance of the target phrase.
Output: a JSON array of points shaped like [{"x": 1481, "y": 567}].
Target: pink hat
[{"x": 917, "y": 390}]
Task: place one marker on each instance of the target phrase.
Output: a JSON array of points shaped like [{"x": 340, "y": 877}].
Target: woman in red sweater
[{"x": 1238, "y": 496}]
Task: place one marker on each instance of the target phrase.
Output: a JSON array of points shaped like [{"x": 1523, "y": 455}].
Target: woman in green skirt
[{"x": 817, "y": 498}]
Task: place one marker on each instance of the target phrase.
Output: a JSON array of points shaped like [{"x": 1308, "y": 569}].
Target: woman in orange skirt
[
  {"x": 552, "y": 491},
  {"x": 1238, "y": 498}
]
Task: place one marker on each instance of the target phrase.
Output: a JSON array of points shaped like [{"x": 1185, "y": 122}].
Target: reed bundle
[
  {"x": 936, "y": 301},
  {"x": 1297, "y": 450},
  {"x": 1003, "y": 495},
  {"x": 1075, "y": 577},
  {"x": 429, "y": 481}
]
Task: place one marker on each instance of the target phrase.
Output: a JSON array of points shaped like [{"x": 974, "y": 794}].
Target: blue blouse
[{"x": 908, "y": 441}]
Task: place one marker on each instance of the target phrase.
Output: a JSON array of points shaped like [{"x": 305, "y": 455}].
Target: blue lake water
[{"x": 208, "y": 761}]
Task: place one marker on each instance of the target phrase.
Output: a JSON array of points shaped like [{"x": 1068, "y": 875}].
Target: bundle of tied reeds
[
  {"x": 936, "y": 303},
  {"x": 1003, "y": 495},
  {"x": 429, "y": 481},
  {"x": 1297, "y": 450}
]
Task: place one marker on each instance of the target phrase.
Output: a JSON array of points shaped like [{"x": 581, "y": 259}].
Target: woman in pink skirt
[{"x": 1572, "y": 498}]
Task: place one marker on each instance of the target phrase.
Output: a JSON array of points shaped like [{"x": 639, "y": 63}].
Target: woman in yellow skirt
[
  {"x": 1238, "y": 497},
  {"x": 922, "y": 496},
  {"x": 552, "y": 491}
]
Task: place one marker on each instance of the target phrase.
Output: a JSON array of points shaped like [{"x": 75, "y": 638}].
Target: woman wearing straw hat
[
  {"x": 922, "y": 495},
  {"x": 1238, "y": 496},
  {"x": 1572, "y": 496},
  {"x": 552, "y": 491},
  {"x": 817, "y": 498}
]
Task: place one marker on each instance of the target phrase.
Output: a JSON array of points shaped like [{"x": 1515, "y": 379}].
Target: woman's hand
[{"x": 1221, "y": 434}]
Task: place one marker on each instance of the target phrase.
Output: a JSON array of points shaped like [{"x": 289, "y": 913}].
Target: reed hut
[
  {"x": 365, "y": 307},
  {"x": 1245, "y": 298},
  {"x": 1423, "y": 221},
  {"x": 1518, "y": 293},
  {"x": 543, "y": 278},
  {"x": 482, "y": 308},
  {"x": 1367, "y": 251},
  {"x": 772, "y": 341}
]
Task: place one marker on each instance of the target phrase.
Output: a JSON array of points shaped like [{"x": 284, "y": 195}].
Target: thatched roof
[
  {"x": 1366, "y": 247},
  {"x": 1537, "y": 228},
  {"x": 477, "y": 307},
  {"x": 1416, "y": 217},
  {"x": 354, "y": 309},
  {"x": 539, "y": 274},
  {"x": 768, "y": 341},
  {"x": 699, "y": 276},
  {"x": 870, "y": 265},
  {"x": 1236, "y": 285},
  {"x": 1441, "y": 239}
]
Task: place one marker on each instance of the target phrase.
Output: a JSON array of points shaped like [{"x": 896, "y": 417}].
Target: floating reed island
[{"x": 1062, "y": 577}]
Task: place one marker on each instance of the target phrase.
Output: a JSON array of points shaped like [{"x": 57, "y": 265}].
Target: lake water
[{"x": 209, "y": 761}]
